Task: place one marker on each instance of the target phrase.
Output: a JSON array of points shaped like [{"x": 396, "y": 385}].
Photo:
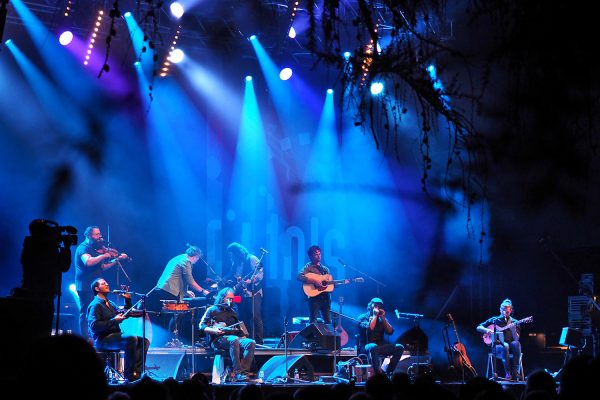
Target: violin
[{"x": 114, "y": 253}]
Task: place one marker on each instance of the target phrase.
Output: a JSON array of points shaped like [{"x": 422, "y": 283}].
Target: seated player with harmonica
[{"x": 217, "y": 322}]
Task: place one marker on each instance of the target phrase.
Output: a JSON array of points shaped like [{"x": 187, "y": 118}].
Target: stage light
[
  {"x": 127, "y": 14},
  {"x": 177, "y": 9},
  {"x": 248, "y": 78},
  {"x": 329, "y": 91},
  {"x": 176, "y": 56},
  {"x": 376, "y": 88},
  {"x": 8, "y": 42},
  {"x": 65, "y": 38},
  {"x": 72, "y": 287},
  {"x": 253, "y": 37},
  {"x": 285, "y": 74},
  {"x": 92, "y": 39},
  {"x": 347, "y": 55},
  {"x": 292, "y": 33}
]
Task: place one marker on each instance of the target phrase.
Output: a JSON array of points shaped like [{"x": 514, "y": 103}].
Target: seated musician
[
  {"x": 373, "y": 326},
  {"x": 506, "y": 343},
  {"x": 104, "y": 327},
  {"x": 215, "y": 321}
]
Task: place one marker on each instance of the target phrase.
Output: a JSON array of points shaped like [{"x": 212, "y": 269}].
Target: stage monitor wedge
[{"x": 316, "y": 336}]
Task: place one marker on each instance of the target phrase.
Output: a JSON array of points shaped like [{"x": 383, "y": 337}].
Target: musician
[
  {"x": 373, "y": 326},
  {"x": 104, "y": 325},
  {"x": 246, "y": 277},
  {"x": 321, "y": 302},
  {"x": 214, "y": 322},
  {"x": 174, "y": 284},
  {"x": 91, "y": 260},
  {"x": 511, "y": 344}
]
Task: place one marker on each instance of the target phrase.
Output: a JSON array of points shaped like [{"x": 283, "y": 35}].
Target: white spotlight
[
  {"x": 376, "y": 88},
  {"x": 329, "y": 91},
  {"x": 65, "y": 38},
  {"x": 248, "y": 78},
  {"x": 177, "y": 9},
  {"x": 176, "y": 56},
  {"x": 292, "y": 33},
  {"x": 285, "y": 74}
]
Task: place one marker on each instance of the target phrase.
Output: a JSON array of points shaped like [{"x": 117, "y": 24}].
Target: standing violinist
[
  {"x": 92, "y": 258},
  {"x": 373, "y": 326}
]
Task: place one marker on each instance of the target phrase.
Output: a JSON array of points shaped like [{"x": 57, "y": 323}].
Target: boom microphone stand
[
  {"x": 379, "y": 283},
  {"x": 142, "y": 301}
]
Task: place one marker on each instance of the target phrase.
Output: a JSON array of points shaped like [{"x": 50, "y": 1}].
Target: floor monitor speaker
[{"x": 275, "y": 368}]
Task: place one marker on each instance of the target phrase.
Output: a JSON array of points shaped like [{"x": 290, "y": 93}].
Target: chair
[
  {"x": 112, "y": 366},
  {"x": 490, "y": 371},
  {"x": 222, "y": 365}
]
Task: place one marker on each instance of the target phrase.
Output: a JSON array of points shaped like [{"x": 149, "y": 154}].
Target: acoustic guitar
[
  {"x": 487, "y": 337},
  {"x": 340, "y": 328},
  {"x": 461, "y": 360},
  {"x": 327, "y": 283}
]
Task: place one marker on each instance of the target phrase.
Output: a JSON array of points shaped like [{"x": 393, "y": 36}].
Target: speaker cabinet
[
  {"x": 161, "y": 366},
  {"x": 315, "y": 337},
  {"x": 275, "y": 368}
]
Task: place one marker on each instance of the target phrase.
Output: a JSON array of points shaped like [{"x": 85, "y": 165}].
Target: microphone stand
[
  {"x": 142, "y": 301},
  {"x": 285, "y": 347},
  {"x": 379, "y": 283},
  {"x": 252, "y": 280}
]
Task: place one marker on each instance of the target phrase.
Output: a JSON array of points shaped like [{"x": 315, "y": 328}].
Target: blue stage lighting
[
  {"x": 347, "y": 55},
  {"x": 127, "y": 14},
  {"x": 253, "y": 37},
  {"x": 248, "y": 78},
  {"x": 292, "y": 33},
  {"x": 329, "y": 91},
  {"x": 285, "y": 74},
  {"x": 8, "y": 41}
]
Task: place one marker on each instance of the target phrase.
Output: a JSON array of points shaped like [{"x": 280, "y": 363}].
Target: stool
[
  {"x": 112, "y": 366},
  {"x": 221, "y": 367},
  {"x": 490, "y": 371}
]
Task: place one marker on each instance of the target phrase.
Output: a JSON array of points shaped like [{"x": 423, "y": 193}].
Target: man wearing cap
[{"x": 373, "y": 325}]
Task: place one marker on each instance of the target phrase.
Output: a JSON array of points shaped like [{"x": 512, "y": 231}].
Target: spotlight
[
  {"x": 292, "y": 33},
  {"x": 65, "y": 38},
  {"x": 248, "y": 78},
  {"x": 176, "y": 56},
  {"x": 285, "y": 74},
  {"x": 347, "y": 55},
  {"x": 127, "y": 14},
  {"x": 253, "y": 37},
  {"x": 72, "y": 287},
  {"x": 376, "y": 88},
  {"x": 329, "y": 91},
  {"x": 8, "y": 41},
  {"x": 177, "y": 9}
]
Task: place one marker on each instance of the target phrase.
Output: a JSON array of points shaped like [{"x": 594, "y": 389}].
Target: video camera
[{"x": 46, "y": 230}]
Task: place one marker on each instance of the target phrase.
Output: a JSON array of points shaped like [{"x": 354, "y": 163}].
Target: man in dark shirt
[
  {"x": 507, "y": 342},
  {"x": 91, "y": 260},
  {"x": 215, "y": 321},
  {"x": 246, "y": 275},
  {"x": 104, "y": 325},
  {"x": 373, "y": 326}
]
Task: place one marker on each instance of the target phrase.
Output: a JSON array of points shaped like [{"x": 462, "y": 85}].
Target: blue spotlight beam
[
  {"x": 65, "y": 70},
  {"x": 144, "y": 53}
]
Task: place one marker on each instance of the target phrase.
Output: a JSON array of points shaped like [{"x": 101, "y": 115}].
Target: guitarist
[
  {"x": 373, "y": 326},
  {"x": 321, "y": 302},
  {"x": 246, "y": 279},
  {"x": 510, "y": 344}
]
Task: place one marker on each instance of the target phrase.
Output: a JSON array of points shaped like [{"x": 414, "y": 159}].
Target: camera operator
[
  {"x": 91, "y": 260},
  {"x": 45, "y": 256}
]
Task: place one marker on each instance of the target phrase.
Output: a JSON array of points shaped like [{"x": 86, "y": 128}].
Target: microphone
[
  {"x": 121, "y": 292},
  {"x": 341, "y": 262},
  {"x": 264, "y": 251}
]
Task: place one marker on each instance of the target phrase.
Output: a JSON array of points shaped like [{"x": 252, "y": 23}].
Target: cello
[{"x": 461, "y": 360}]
